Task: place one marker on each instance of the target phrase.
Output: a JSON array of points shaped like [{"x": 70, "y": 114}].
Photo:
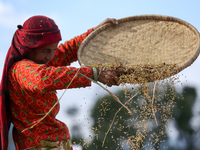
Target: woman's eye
[{"x": 46, "y": 51}]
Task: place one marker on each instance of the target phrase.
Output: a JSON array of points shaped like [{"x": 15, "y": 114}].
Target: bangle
[{"x": 95, "y": 73}]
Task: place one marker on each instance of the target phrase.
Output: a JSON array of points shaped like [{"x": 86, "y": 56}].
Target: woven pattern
[{"x": 142, "y": 40}]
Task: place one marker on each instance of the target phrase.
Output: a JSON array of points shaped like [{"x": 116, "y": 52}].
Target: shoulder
[{"x": 22, "y": 64}]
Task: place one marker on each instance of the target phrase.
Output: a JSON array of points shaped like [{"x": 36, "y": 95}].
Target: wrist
[{"x": 95, "y": 73}]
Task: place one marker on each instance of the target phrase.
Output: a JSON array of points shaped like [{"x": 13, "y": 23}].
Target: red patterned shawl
[{"x": 36, "y": 32}]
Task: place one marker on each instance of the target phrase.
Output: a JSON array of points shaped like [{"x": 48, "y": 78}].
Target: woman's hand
[
  {"x": 108, "y": 20},
  {"x": 110, "y": 77}
]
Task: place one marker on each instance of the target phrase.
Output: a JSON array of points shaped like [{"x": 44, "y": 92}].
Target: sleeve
[
  {"x": 40, "y": 78},
  {"x": 66, "y": 53}
]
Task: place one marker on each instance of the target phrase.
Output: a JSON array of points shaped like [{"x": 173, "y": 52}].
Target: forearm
[{"x": 65, "y": 77}]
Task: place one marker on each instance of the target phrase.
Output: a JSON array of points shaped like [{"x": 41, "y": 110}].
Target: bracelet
[{"x": 95, "y": 73}]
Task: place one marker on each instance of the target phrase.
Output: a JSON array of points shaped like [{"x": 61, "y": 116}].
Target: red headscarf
[{"x": 36, "y": 32}]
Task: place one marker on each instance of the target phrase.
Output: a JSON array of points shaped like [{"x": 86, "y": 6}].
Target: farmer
[{"x": 34, "y": 69}]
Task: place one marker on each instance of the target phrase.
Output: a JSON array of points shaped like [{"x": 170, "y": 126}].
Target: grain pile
[{"x": 143, "y": 73}]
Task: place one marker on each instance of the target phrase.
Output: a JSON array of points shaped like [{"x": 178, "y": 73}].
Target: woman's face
[{"x": 43, "y": 54}]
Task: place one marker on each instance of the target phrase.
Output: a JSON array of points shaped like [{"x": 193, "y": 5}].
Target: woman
[{"x": 34, "y": 69}]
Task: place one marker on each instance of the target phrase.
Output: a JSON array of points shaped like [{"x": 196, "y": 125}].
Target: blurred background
[{"x": 78, "y": 105}]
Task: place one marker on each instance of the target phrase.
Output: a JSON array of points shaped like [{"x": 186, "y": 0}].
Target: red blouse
[{"x": 32, "y": 89}]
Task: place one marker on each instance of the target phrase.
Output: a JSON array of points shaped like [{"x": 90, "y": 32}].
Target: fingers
[
  {"x": 111, "y": 77},
  {"x": 108, "y": 20},
  {"x": 105, "y": 81},
  {"x": 114, "y": 21},
  {"x": 120, "y": 71},
  {"x": 113, "y": 80},
  {"x": 108, "y": 77}
]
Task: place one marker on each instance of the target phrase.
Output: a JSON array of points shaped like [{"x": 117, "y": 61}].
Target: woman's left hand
[
  {"x": 108, "y": 20},
  {"x": 110, "y": 77}
]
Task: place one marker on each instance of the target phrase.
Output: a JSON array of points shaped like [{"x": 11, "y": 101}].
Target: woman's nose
[{"x": 50, "y": 56}]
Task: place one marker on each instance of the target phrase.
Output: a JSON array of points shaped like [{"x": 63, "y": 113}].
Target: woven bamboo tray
[{"x": 141, "y": 40}]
